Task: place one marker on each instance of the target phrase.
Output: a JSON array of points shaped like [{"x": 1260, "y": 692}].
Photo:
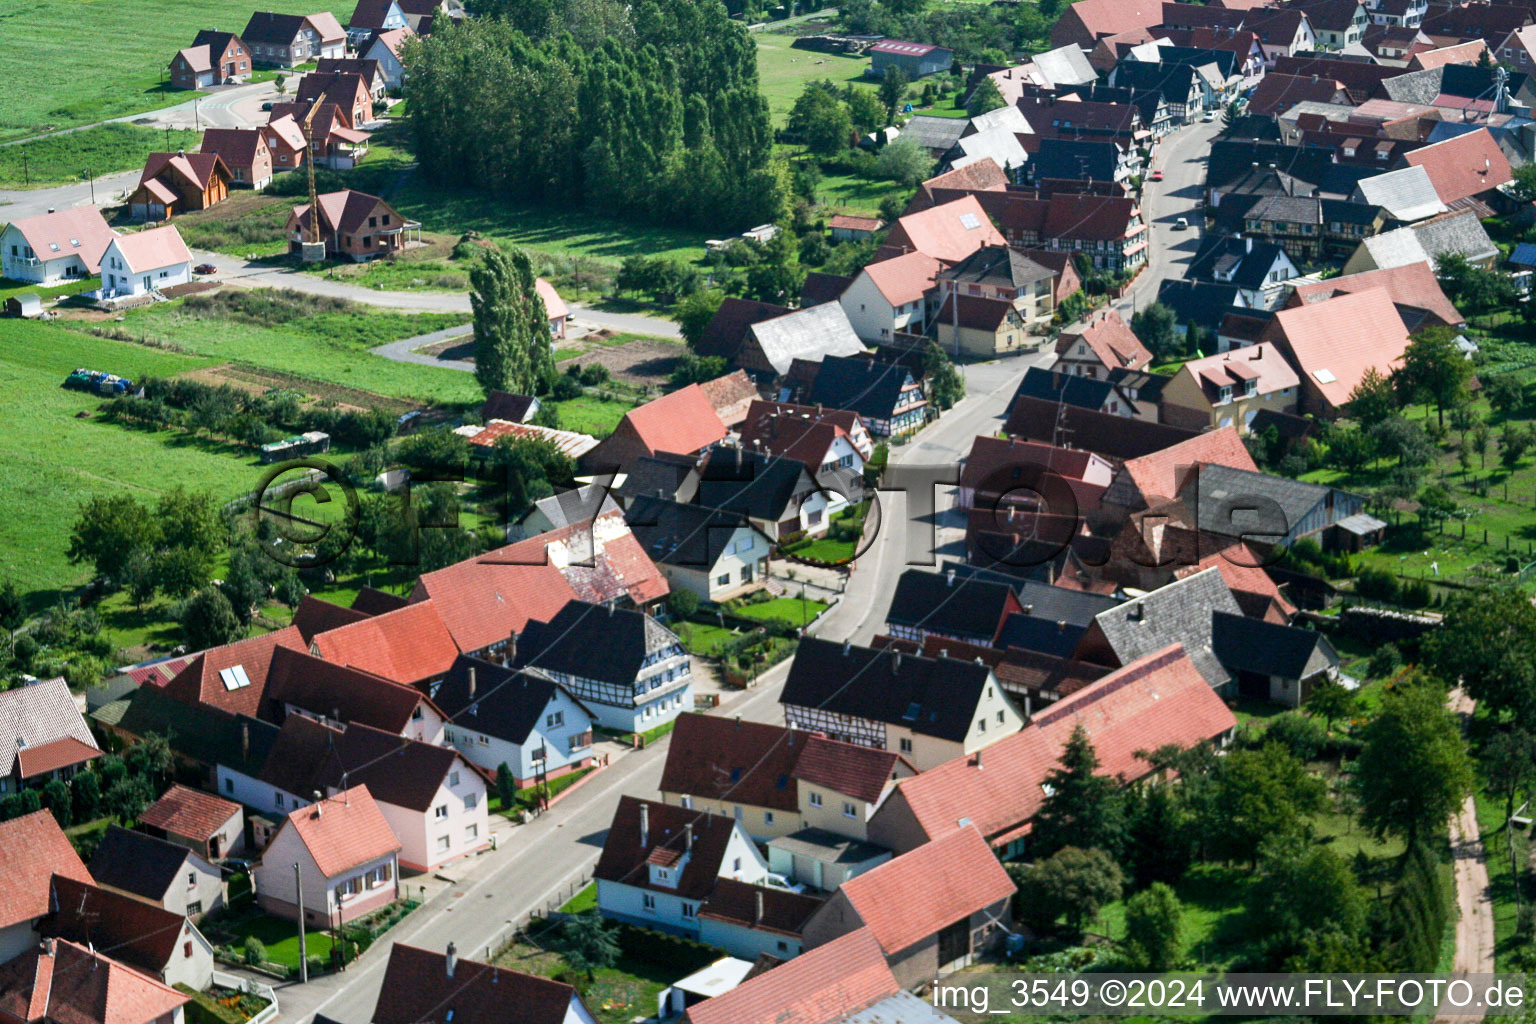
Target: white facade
[
  {"x": 747, "y": 943},
  {"x": 325, "y": 899},
  {"x": 198, "y": 889},
  {"x": 120, "y": 279},
  {"x": 563, "y": 734},
  {"x": 17, "y": 939},
  {"x": 192, "y": 961},
  {"x": 872, "y": 315},
  {"x": 389, "y": 64},
  {"x": 742, "y": 562},
  {"x": 654, "y": 907},
  {"x": 19, "y": 263},
  {"x": 454, "y": 826}
]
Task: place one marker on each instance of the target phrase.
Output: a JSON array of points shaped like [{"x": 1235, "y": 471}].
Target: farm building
[
  {"x": 26, "y": 305},
  {"x": 916, "y": 59}
]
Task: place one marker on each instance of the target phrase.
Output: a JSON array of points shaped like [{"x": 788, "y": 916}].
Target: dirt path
[{"x": 1474, "y": 901}]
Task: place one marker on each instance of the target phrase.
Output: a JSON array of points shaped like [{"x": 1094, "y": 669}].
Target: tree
[
  {"x": 1330, "y": 701},
  {"x": 985, "y": 97},
  {"x": 1303, "y": 888},
  {"x": 682, "y": 604},
  {"x": 1397, "y": 437},
  {"x": 56, "y": 799},
  {"x": 864, "y": 109},
  {"x": 587, "y": 944},
  {"x": 1488, "y": 643},
  {"x": 692, "y": 369},
  {"x": 893, "y": 89},
  {"x": 1478, "y": 442},
  {"x": 1154, "y": 326},
  {"x": 109, "y": 530},
  {"x": 208, "y": 620},
  {"x": 1159, "y": 842},
  {"x": 190, "y": 520},
  {"x": 13, "y": 611},
  {"x": 1514, "y": 442},
  {"x": 127, "y": 798},
  {"x": 1349, "y": 449},
  {"x": 1435, "y": 505},
  {"x": 821, "y": 120},
  {"x": 1524, "y": 186},
  {"x": 1435, "y": 369},
  {"x": 1082, "y": 808},
  {"x": 512, "y": 350},
  {"x": 946, "y": 384},
  {"x": 1153, "y": 922},
  {"x": 904, "y": 162},
  {"x": 1074, "y": 882},
  {"x": 694, "y": 313},
  {"x": 506, "y": 786},
  {"x": 1413, "y": 771},
  {"x": 1509, "y": 763},
  {"x": 1372, "y": 400},
  {"x": 1504, "y": 392},
  {"x": 1259, "y": 794},
  {"x": 86, "y": 790}
]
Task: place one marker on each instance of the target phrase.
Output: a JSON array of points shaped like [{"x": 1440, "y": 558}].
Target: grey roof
[
  {"x": 998, "y": 265},
  {"x": 1226, "y": 499},
  {"x": 1407, "y": 194},
  {"x": 1245, "y": 262},
  {"x": 1428, "y": 240},
  {"x": 1360, "y": 524},
  {"x": 577, "y": 506},
  {"x": 1179, "y": 613},
  {"x": 689, "y": 536},
  {"x": 1414, "y": 87},
  {"x": 1076, "y": 159},
  {"x": 661, "y": 476},
  {"x": 1330, "y": 111},
  {"x": 1065, "y": 65},
  {"x": 1009, "y": 117},
  {"x": 901, "y": 1008},
  {"x": 938, "y": 134},
  {"x": 40, "y": 713},
  {"x": 1000, "y": 144},
  {"x": 1287, "y": 209},
  {"x": 811, "y": 333},
  {"x": 1253, "y": 645},
  {"x": 137, "y": 863},
  {"x": 828, "y": 847}
]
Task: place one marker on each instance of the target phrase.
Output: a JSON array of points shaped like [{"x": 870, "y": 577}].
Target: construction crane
[{"x": 311, "y": 249}]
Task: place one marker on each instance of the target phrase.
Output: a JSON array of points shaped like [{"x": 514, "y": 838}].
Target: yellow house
[{"x": 1229, "y": 389}]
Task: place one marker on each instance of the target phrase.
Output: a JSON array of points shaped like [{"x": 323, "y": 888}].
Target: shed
[
  {"x": 26, "y": 305},
  {"x": 916, "y": 59}
]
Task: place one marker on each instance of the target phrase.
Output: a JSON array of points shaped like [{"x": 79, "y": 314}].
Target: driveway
[{"x": 1474, "y": 899}]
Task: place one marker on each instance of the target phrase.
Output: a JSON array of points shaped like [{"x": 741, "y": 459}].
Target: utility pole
[
  {"x": 298, "y": 888},
  {"x": 197, "y": 123},
  {"x": 26, "y": 168},
  {"x": 93, "y": 185}
]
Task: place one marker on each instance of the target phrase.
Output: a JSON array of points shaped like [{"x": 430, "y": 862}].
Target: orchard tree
[
  {"x": 821, "y": 120},
  {"x": 1413, "y": 772},
  {"x": 1434, "y": 369},
  {"x": 1260, "y": 794},
  {"x": 893, "y": 89},
  {"x": 1509, "y": 762},
  {"x": 1331, "y": 701},
  {"x": 1153, "y": 925},
  {"x": 109, "y": 530},
  {"x": 694, "y": 313},
  {"x": 864, "y": 109},
  {"x": 1072, "y": 882},
  {"x": 1488, "y": 643},
  {"x": 904, "y": 162},
  {"x": 1303, "y": 888},
  {"x": 1372, "y": 400},
  {"x": 208, "y": 620},
  {"x": 512, "y": 348}
]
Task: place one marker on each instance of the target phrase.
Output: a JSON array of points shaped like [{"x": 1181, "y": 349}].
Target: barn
[{"x": 916, "y": 59}]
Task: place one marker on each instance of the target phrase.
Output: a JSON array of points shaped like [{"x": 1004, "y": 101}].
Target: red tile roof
[
  {"x": 408, "y": 646},
  {"x": 1239, "y": 566},
  {"x": 1164, "y": 473},
  {"x": 486, "y": 599},
  {"x": 1112, "y": 17},
  {"x": 316, "y": 616},
  {"x": 212, "y": 677},
  {"x": 1458, "y": 53},
  {"x": 1336, "y": 341},
  {"x": 905, "y": 278},
  {"x": 1111, "y": 339},
  {"x": 1413, "y": 284},
  {"x": 83, "y": 225},
  {"x": 825, "y": 984},
  {"x": 949, "y": 232},
  {"x": 32, "y": 849},
  {"x": 50, "y": 757},
  {"x": 1156, "y": 700},
  {"x": 1260, "y": 363},
  {"x": 1463, "y": 166},
  {"x": 736, "y": 903},
  {"x": 343, "y": 831},
  {"x": 72, "y": 985},
  {"x": 848, "y": 768},
  {"x": 153, "y": 249},
  {"x": 189, "y": 812},
  {"x": 731, "y": 396},
  {"x": 849, "y": 223},
  {"x": 923, "y": 891},
  {"x": 681, "y": 422}
]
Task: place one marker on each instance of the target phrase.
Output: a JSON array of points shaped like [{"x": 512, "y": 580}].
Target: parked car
[
  {"x": 1208, "y": 116},
  {"x": 267, "y": 105},
  {"x": 205, "y": 268},
  {"x": 1157, "y": 175},
  {"x": 1181, "y": 224}
]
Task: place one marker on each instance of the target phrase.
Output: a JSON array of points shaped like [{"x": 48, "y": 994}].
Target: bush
[
  {"x": 683, "y": 604},
  {"x": 594, "y": 374},
  {"x": 1304, "y": 737},
  {"x": 1416, "y": 594},
  {"x": 1377, "y": 584},
  {"x": 255, "y": 951},
  {"x": 1385, "y": 661},
  {"x": 566, "y": 389}
]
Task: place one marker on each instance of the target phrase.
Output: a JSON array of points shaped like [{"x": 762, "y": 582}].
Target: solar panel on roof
[
  {"x": 234, "y": 678},
  {"x": 969, "y": 221},
  {"x": 1324, "y": 376}
]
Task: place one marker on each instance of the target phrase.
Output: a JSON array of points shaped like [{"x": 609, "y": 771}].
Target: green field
[
  {"x": 53, "y": 460},
  {"x": 782, "y": 72},
  {"x": 791, "y": 610},
  {"x": 105, "y": 149},
  {"x": 74, "y": 62}
]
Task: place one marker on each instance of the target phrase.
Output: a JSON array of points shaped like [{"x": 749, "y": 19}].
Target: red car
[
  {"x": 205, "y": 268},
  {"x": 1157, "y": 175}
]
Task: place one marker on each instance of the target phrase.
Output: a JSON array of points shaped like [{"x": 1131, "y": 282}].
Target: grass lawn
[
  {"x": 1501, "y": 879},
  {"x": 1215, "y": 928},
  {"x": 584, "y": 900},
  {"x": 853, "y": 195},
  {"x": 616, "y": 995},
  {"x": 782, "y": 72},
  {"x": 59, "y": 460},
  {"x": 248, "y": 224},
  {"x": 44, "y": 40},
  {"x": 329, "y": 347},
  {"x": 280, "y": 937},
  {"x": 588, "y": 414},
  {"x": 529, "y": 797},
  {"x": 62, "y": 159},
  {"x": 793, "y": 610},
  {"x": 9, "y": 288},
  {"x": 823, "y": 549},
  {"x": 703, "y": 639}
]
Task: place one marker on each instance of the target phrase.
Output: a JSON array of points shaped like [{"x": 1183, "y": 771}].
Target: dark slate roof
[
  {"x": 137, "y": 863},
  {"x": 372, "y": 601},
  {"x": 1114, "y": 437},
  {"x": 1254, "y": 645},
  {"x": 865, "y": 386},
  {"x": 682, "y": 535},
  {"x": 1083, "y": 392},
  {"x": 1178, "y": 613},
  {"x": 1226, "y": 497},
  {"x": 1075, "y": 160},
  {"x": 935, "y": 133},
  {"x": 662, "y": 475},
  {"x": 1078, "y": 607},
  {"x": 820, "y": 287},
  {"x": 271, "y": 28},
  {"x": 1057, "y": 638},
  {"x": 932, "y": 696},
  {"x": 749, "y": 482},
  {"x": 396, "y": 770},
  {"x": 1139, "y": 384},
  {"x": 1195, "y": 56},
  {"x": 1000, "y": 265},
  {"x": 198, "y": 733},
  {"x": 1240, "y": 261},
  {"x": 503, "y": 405},
  {"x": 506, "y": 704},
  {"x": 595, "y": 641},
  {"x": 1200, "y": 302},
  {"x": 943, "y": 602},
  {"x": 1172, "y": 83}
]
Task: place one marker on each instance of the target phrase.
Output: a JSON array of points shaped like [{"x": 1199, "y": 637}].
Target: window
[
  {"x": 555, "y": 719},
  {"x": 453, "y": 778},
  {"x": 767, "y": 817},
  {"x": 736, "y": 864},
  {"x": 416, "y": 715},
  {"x": 443, "y": 842},
  {"x": 1000, "y": 718},
  {"x": 186, "y": 947},
  {"x": 783, "y": 946},
  {"x": 440, "y": 812},
  {"x": 815, "y": 799},
  {"x": 649, "y": 902},
  {"x": 906, "y": 746},
  {"x": 981, "y": 725},
  {"x": 277, "y": 799},
  {"x": 850, "y": 811},
  {"x": 471, "y": 800},
  {"x": 724, "y": 579},
  {"x": 689, "y": 910},
  {"x": 191, "y": 879},
  {"x": 471, "y": 833},
  {"x": 229, "y": 785}
]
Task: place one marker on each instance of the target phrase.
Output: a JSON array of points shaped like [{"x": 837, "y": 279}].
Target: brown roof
[
  {"x": 341, "y": 692},
  {"x": 805, "y": 440},
  {"x": 1463, "y": 166},
  {"x": 1277, "y": 93},
  {"x": 403, "y": 772},
  {"x": 1457, "y": 53},
  {"x": 417, "y": 989},
  {"x": 982, "y": 176},
  {"x": 1111, "y": 339},
  {"x": 626, "y": 852},
  {"x": 736, "y": 903},
  {"x": 1114, "y": 437},
  {"x": 32, "y": 849},
  {"x": 343, "y": 211},
  {"x": 1153, "y": 701},
  {"x": 139, "y": 933},
  {"x": 343, "y": 831},
  {"x": 237, "y": 147},
  {"x": 50, "y": 757},
  {"x": 189, "y": 812},
  {"x": 728, "y": 327},
  {"x": 848, "y": 768},
  {"x": 196, "y": 169},
  {"x": 1336, "y": 341},
  {"x": 1413, "y": 285},
  {"x": 316, "y": 616},
  {"x": 828, "y": 983},
  {"x": 215, "y": 677},
  {"x": 198, "y": 58},
  {"x": 989, "y": 464},
  {"x": 752, "y": 763},
  {"x": 72, "y": 985},
  {"x": 408, "y": 646},
  {"x": 975, "y": 313},
  {"x": 731, "y": 396},
  {"x": 849, "y": 223},
  {"x": 949, "y": 232},
  {"x": 821, "y": 287},
  {"x": 923, "y": 891}
]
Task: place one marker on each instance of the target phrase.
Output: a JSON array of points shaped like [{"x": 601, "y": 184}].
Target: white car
[
  {"x": 1181, "y": 224},
  {"x": 1210, "y": 115}
]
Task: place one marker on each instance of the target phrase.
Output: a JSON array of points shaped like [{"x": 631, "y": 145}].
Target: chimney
[
  {"x": 757, "y": 908},
  {"x": 949, "y": 577},
  {"x": 48, "y": 947},
  {"x": 1248, "y": 244},
  {"x": 50, "y": 209},
  {"x": 896, "y": 664},
  {"x": 738, "y": 720},
  {"x": 846, "y": 645},
  {"x": 978, "y": 761},
  {"x": 688, "y": 836},
  {"x": 471, "y": 680},
  {"x": 1061, "y": 625},
  {"x": 451, "y": 961},
  {"x": 645, "y": 825},
  {"x": 1258, "y": 352},
  {"x": 245, "y": 741}
]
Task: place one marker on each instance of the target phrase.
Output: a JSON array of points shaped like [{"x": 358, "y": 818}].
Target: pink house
[{"x": 346, "y": 853}]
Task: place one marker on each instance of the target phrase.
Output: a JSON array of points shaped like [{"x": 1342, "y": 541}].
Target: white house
[
  {"x": 55, "y": 247},
  {"x": 714, "y": 553},
  {"x": 529, "y": 723},
  {"x": 385, "y": 48},
  {"x": 370, "y": 17},
  {"x": 145, "y": 262},
  {"x": 660, "y": 863},
  {"x": 157, "y": 870},
  {"x": 891, "y": 296},
  {"x": 346, "y": 857}
]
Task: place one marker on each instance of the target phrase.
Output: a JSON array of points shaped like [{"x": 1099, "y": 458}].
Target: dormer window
[
  {"x": 1250, "y": 387},
  {"x": 1224, "y": 393}
]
